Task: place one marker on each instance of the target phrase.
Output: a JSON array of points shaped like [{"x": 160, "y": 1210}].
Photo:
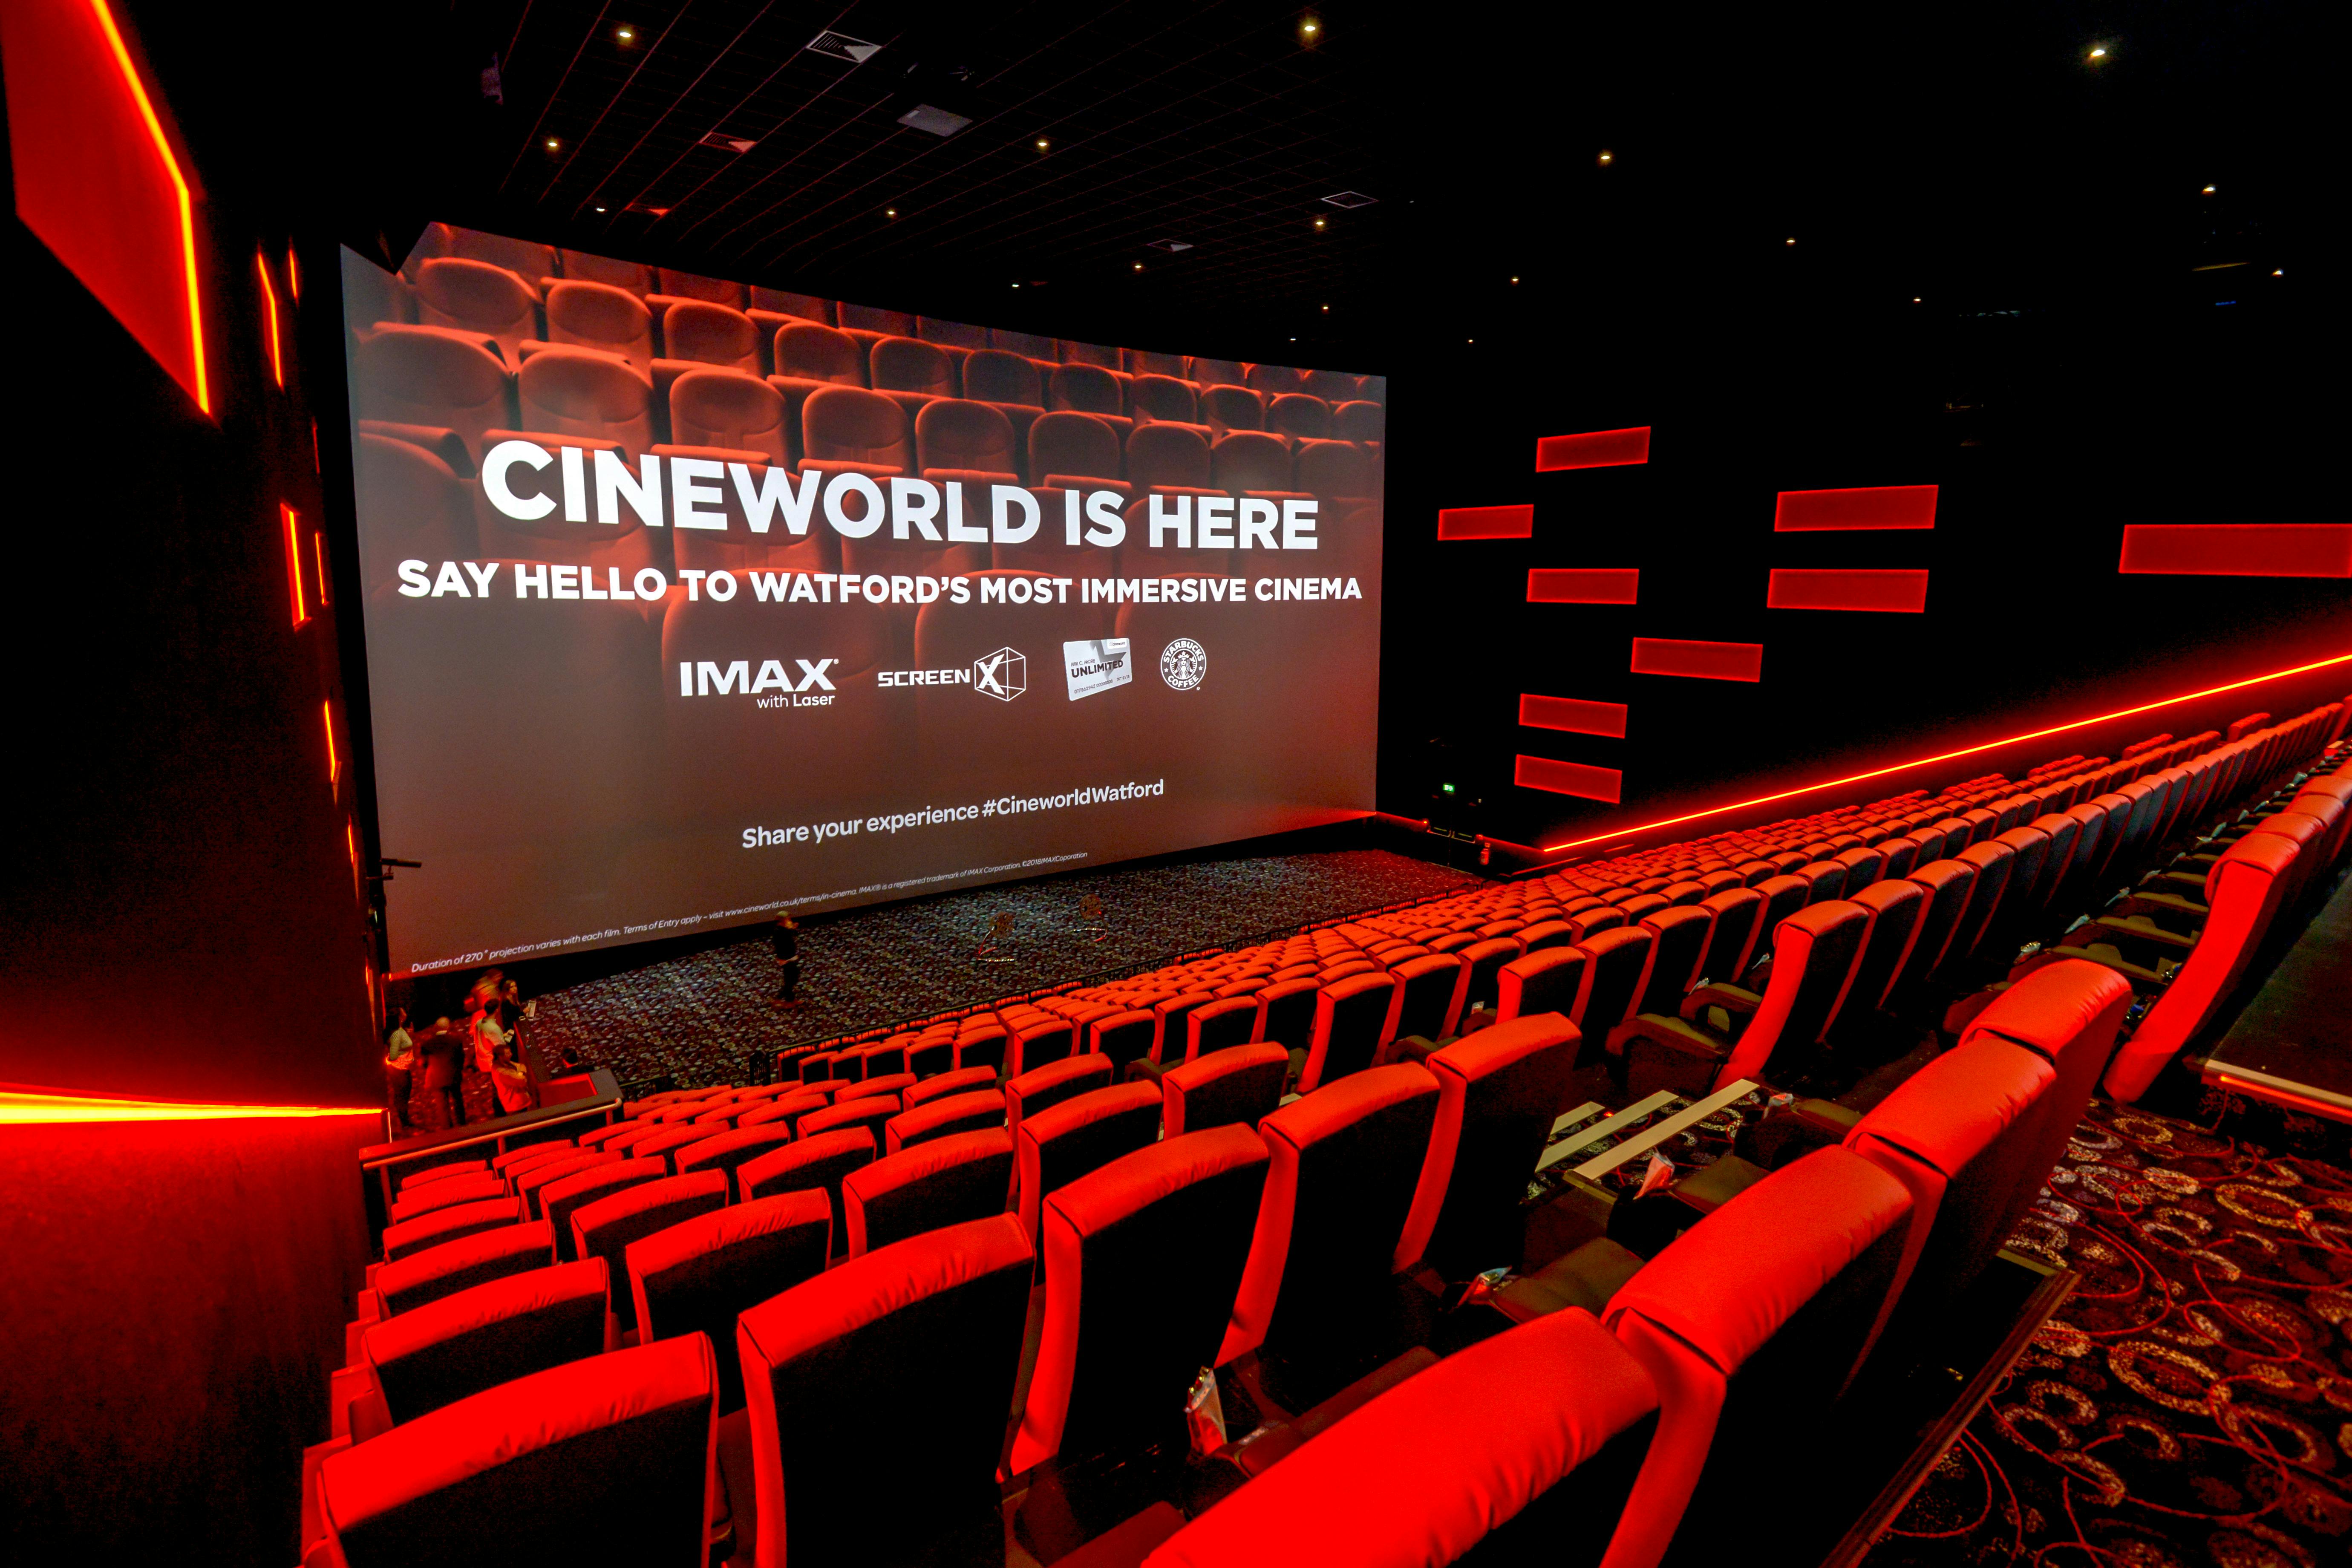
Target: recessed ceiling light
[
  {"x": 2098, "y": 51},
  {"x": 1515, "y": 280},
  {"x": 1016, "y": 284},
  {"x": 552, "y": 143},
  {"x": 626, "y": 35},
  {"x": 1318, "y": 223},
  {"x": 1310, "y": 27},
  {"x": 600, "y": 209},
  {"x": 2208, "y": 190},
  {"x": 1607, "y": 156},
  {"x": 1294, "y": 340},
  {"x": 1043, "y": 143},
  {"x": 890, "y": 212},
  {"x": 1326, "y": 310},
  {"x": 2278, "y": 271},
  {"x": 1138, "y": 267},
  {"x": 1790, "y": 240},
  {"x": 1914, "y": 298}
]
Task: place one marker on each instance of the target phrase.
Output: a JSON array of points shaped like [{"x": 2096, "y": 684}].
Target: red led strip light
[
  {"x": 2238, "y": 549},
  {"x": 294, "y": 562},
  {"x": 1487, "y": 522},
  {"x": 179, "y": 185},
  {"x": 1949, "y": 757},
  {"x": 1584, "y": 585},
  {"x": 1592, "y": 449},
  {"x": 1870, "y": 507},
  {"x": 1573, "y": 714},
  {"x": 1570, "y": 778},
  {"x": 20, "y": 1107},
  {"x": 1698, "y": 660},
  {"x": 269, "y": 316},
  {"x": 1847, "y": 588},
  {"x": 334, "y": 762}
]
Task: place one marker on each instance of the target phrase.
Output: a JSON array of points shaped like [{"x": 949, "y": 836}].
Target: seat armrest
[
  {"x": 2157, "y": 905},
  {"x": 2138, "y": 927},
  {"x": 1734, "y": 1000},
  {"x": 2142, "y": 979},
  {"x": 1671, "y": 1054}
]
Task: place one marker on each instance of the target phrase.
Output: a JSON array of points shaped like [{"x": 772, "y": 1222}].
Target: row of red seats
[
  {"x": 487, "y": 283},
  {"x": 1229, "y": 1242}
]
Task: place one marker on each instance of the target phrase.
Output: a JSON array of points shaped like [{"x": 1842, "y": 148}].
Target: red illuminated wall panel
[
  {"x": 1881, "y": 506},
  {"x": 1847, "y": 588},
  {"x": 1592, "y": 449},
  {"x": 1487, "y": 522},
  {"x": 1583, "y": 585},
  {"x": 1699, "y": 660},
  {"x": 98, "y": 178},
  {"x": 1570, "y": 778},
  {"x": 2239, "y": 549},
  {"x": 1574, "y": 715}
]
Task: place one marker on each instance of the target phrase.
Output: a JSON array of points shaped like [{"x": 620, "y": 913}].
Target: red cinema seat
[
  {"x": 478, "y": 1338},
  {"x": 1225, "y": 408},
  {"x": 960, "y": 1081},
  {"x": 416, "y": 504},
  {"x": 870, "y": 1111},
  {"x": 785, "y": 1108},
  {"x": 666, "y": 1142},
  {"x": 467, "y": 1189},
  {"x": 725, "y": 1152},
  {"x": 1040, "y": 1044},
  {"x": 910, "y": 371},
  {"x": 1285, "y": 1013},
  {"x": 1895, "y": 909},
  {"x": 1350, "y": 1020},
  {"x": 1483, "y": 960},
  {"x": 959, "y": 439},
  {"x": 944, "y": 1118},
  {"x": 474, "y": 297},
  {"x": 982, "y": 1048},
  {"x": 700, "y": 1275},
  {"x": 1546, "y": 981},
  {"x": 1168, "y": 456},
  {"x": 1994, "y": 863},
  {"x": 812, "y": 1164},
  {"x": 934, "y": 1185},
  {"x": 1814, "y": 955},
  {"x": 1062, "y": 1142},
  {"x": 1243, "y": 1085},
  {"x": 609, "y": 1460},
  {"x": 693, "y": 286},
  {"x": 1347, "y": 1163},
  {"x": 1207, "y": 372},
  {"x": 1152, "y": 362},
  {"x": 1158, "y": 1237},
  {"x": 893, "y": 1083},
  {"x": 1332, "y": 386},
  {"x": 1126, "y": 1036},
  {"x": 435, "y": 379},
  {"x": 461, "y": 1265},
  {"x": 580, "y": 392},
  {"x": 1099, "y": 354},
  {"x": 1757, "y": 1312},
  {"x": 1825, "y": 880},
  {"x": 1274, "y": 380},
  {"x": 836, "y": 1369},
  {"x": 635, "y": 276},
  {"x": 591, "y": 315},
  {"x": 997, "y": 376},
  {"x": 847, "y": 428},
  {"x": 1497, "y": 1094},
  {"x": 1947, "y": 885},
  {"x": 1336, "y": 469},
  {"x": 560, "y": 1199},
  {"x": 785, "y": 303},
  {"x": 1359, "y": 421},
  {"x": 807, "y": 356},
  {"x": 1075, "y": 452},
  {"x": 1296, "y": 417},
  {"x": 1615, "y": 960},
  {"x": 1165, "y": 399},
  {"x": 604, "y": 1228},
  {"x": 1901, "y": 854},
  {"x": 1431, "y": 992},
  {"x": 1088, "y": 389},
  {"x": 740, "y": 413},
  {"x": 870, "y": 323},
  {"x": 1521, "y": 1444}
]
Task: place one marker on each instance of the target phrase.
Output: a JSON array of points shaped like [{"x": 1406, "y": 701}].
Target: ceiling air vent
[
  {"x": 1350, "y": 199},
  {"x": 719, "y": 139},
  {"x": 1171, "y": 245},
  {"x": 842, "y": 46},
  {"x": 937, "y": 121}
]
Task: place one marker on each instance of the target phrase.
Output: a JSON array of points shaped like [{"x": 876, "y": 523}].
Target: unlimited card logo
[{"x": 1096, "y": 666}]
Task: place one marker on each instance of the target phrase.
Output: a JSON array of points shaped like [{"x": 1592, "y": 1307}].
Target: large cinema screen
[{"x": 687, "y": 600}]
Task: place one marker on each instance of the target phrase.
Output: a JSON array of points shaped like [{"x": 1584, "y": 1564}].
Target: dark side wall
[{"x": 179, "y": 918}]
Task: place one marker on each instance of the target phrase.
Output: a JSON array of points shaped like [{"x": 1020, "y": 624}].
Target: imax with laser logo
[
  {"x": 1004, "y": 675},
  {"x": 708, "y": 678}
]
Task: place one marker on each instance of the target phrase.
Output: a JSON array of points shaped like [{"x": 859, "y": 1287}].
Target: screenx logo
[
  {"x": 706, "y": 678},
  {"x": 1004, "y": 675}
]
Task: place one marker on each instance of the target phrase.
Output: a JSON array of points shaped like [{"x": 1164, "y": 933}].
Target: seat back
[
  {"x": 1482, "y": 960},
  {"x": 1143, "y": 1257},
  {"x": 994, "y": 375},
  {"x": 603, "y": 1229},
  {"x": 932, "y": 1186},
  {"x": 727, "y": 1150},
  {"x": 1895, "y": 906},
  {"x": 1241, "y": 1084},
  {"x": 1678, "y": 941},
  {"x": 1545, "y": 981},
  {"x": 848, "y": 424},
  {"x": 1498, "y": 1093},
  {"x": 698, "y": 1276},
  {"x": 836, "y": 1368},
  {"x": 608, "y": 1459},
  {"x": 1613, "y": 976},
  {"x": 487, "y": 1334},
  {"x": 1428, "y": 997},
  {"x": 1050, "y": 1085},
  {"x": 1948, "y": 884},
  {"x": 1220, "y": 1025},
  {"x": 721, "y": 408},
  {"x": 944, "y": 1118},
  {"x": 1995, "y": 863},
  {"x": 1166, "y": 457},
  {"x": 1758, "y": 1314},
  {"x": 461, "y": 1265},
  {"x": 1062, "y": 1142},
  {"x": 1783, "y": 896},
  {"x": 1519, "y": 1444},
  {"x": 1350, "y": 1015},
  {"x": 810, "y": 1165},
  {"x": 809, "y": 353},
  {"x": 1347, "y": 1163},
  {"x": 1738, "y": 926},
  {"x": 593, "y": 315},
  {"x": 1285, "y": 1013},
  {"x": 409, "y": 1238},
  {"x": 1814, "y": 952}
]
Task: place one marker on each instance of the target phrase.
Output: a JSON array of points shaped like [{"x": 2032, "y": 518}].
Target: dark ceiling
[{"x": 1977, "y": 159}]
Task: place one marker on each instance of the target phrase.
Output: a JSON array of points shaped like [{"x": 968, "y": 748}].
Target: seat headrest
[
  {"x": 1119, "y": 1188},
  {"x": 874, "y": 1284},
  {"x": 2052, "y": 1006},
  {"x": 1490, "y": 1050},
  {"x": 1950, "y": 1109},
  {"x": 1337, "y": 1106},
  {"x": 724, "y": 1228},
  {"x": 535, "y": 1291}
]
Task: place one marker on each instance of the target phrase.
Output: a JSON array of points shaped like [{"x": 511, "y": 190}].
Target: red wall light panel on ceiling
[
  {"x": 1698, "y": 660},
  {"x": 1881, "y": 506},
  {"x": 1592, "y": 449},
  {"x": 1583, "y": 585},
  {"x": 2238, "y": 549},
  {"x": 1847, "y": 588},
  {"x": 1487, "y": 522},
  {"x": 1573, "y": 714},
  {"x": 1604, "y": 785},
  {"x": 98, "y": 179}
]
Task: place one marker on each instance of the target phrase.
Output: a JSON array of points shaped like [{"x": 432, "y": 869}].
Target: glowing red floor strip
[
  {"x": 19, "y": 1107},
  {"x": 1949, "y": 756}
]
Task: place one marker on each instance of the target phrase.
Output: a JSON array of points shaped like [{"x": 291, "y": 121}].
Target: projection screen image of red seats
[{"x": 687, "y": 602}]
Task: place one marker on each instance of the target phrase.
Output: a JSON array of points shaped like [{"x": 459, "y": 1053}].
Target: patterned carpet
[
  {"x": 699, "y": 1018},
  {"x": 2191, "y": 1404}
]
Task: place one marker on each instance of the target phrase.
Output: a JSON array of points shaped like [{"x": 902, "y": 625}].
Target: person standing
[
  {"x": 784, "y": 937},
  {"x": 444, "y": 1050},
  {"x": 399, "y": 1058},
  {"x": 512, "y": 1079}
]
